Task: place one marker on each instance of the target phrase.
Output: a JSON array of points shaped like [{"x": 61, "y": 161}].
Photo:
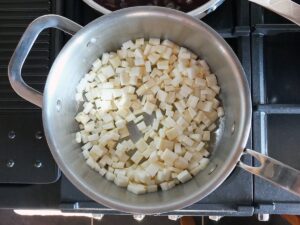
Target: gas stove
[{"x": 267, "y": 47}]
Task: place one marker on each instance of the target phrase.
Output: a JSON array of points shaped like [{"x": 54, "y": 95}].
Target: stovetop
[{"x": 267, "y": 47}]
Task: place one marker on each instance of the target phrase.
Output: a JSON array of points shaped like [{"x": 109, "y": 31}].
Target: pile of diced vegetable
[{"x": 165, "y": 81}]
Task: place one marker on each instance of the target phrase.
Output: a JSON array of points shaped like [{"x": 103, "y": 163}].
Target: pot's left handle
[
  {"x": 274, "y": 171},
  {"x": 23, "y": 48}
]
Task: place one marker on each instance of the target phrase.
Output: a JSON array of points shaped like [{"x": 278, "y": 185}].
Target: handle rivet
[
  {"x": 10, "y": 163},
  {"x": 233, "y": 128},
  {"x": 92, "y": 41},
  {"x": 39, "y": 135},
  {"x": 38, "y": 164},
  {"x": 58, "y": 105},
  {"x": 263, "y": 217},
  {"x": 11, "y": 134},
  {"x": 138, "y": 217}
]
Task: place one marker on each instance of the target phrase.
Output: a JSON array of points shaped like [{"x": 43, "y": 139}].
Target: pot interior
[{"x": 107, "y": 34}]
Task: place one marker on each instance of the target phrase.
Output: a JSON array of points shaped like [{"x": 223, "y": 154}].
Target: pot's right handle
[
  {"x": 274, "y": 171},
  {"x": 285, "y": 8},
  {"x": 22, "y": 50}
]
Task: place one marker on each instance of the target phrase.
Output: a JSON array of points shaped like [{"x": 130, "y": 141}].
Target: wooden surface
[{"x": 293, "y": 220}]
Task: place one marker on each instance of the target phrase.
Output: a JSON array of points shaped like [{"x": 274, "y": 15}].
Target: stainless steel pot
[
  {"x": 199, "y": 12},
  {"x": 107, "y": 33}
]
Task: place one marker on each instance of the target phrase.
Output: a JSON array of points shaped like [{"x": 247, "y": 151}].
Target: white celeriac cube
[{"x": 184, "y": 176}]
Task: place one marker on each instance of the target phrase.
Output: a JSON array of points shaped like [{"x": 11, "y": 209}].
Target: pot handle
[
  {"x": 198, "y": 12},
  {"x": 274, "y": 171},
  {"x": 286, "y": 8},
  {"x": 23, "y": 48}
]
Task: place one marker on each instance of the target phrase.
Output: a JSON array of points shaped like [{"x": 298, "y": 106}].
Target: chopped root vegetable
[
  {"x": 148, "y": 78},
  {"x": 137, "y": 188}
]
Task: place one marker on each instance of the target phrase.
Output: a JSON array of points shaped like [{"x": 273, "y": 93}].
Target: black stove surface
[
  {"x": 276, "y": 120},
  {"x": 25, "y": 156},
  {"x": 273, "y": 72}
]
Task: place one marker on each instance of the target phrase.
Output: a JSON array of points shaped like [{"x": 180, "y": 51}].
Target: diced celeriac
[
  {"x": 152, "y": 188},
  {"x": 125, "y": 88},
  {"x": 141, "y": 126},
  {"x": 110, "y": 176},
  {"x": 121, "y": 180},
  {"x": 188, "y": 156},
  {"x": 172, "y": 133},
  {"x": 152, "y": 169},
  {"x": 206, "y": 136},
  {"x": 141, "y": 145},
  {"x": 181, "y": 163},
  {"x": 78, "y": 137},
  {"x": 163, "y": 64},
  {"x": 149, "y": 108},
  {"x": 220, "y": 111},
  {"x": 186, "y": 140},
  {"x": 137, "y": 157},
  {"x": 163, "y": 144},
  {"x": 136, "y": 188},
  {"x": 169, "y": 157},
  {"x": 184, "y": 176},
  {"x": 154, "y": 41}
]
